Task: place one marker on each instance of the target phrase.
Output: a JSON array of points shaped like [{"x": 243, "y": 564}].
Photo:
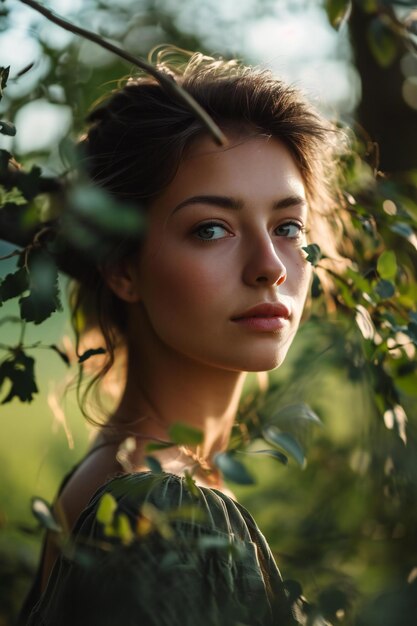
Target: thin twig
[
  {"x": 45, "y": 230},
  {"x": 22, "y": 333},
  {"x": 170, "y": 86},
  {"x": 9, "y": 256}
]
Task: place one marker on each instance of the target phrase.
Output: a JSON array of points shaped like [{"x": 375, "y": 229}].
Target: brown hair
[{"x": 137, "y": 138}]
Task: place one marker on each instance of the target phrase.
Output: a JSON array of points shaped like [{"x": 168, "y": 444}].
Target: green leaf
[
  {"x": 274, "y": 454},
  {"x": 407, "y": 384},
  {"x": 299, "y": 411},
  {"x": 273, "y": 435},
  {"x": 359, "y": 282},
  {"x": 214, "y": 542},
  {"x": 387, "y": 265},
  {"x": 123, "y": 529},
  {"x": 330, "y": 601},
  {"x": 222, "y": 544},
  {"x": 14, "y": 285},
  {"x": 369, "y": 6},
  {"x": 89, "y": 353},
  {"x": 382, "y": 43},
  {"x": 7, "y": 128},
  {"x": 191, "y": 484},
  {"x": 30, "y": 182},
  {"x": 313, "y": 253},
  {"x": 43, "y": 299},
  {"x": 294, "y": 589},
  {"x": 412, "y": 331},
  {"x": 14, "y": 196},
  {"x": 345, "y": 293},
  {"x": 153, "y": 464},
  {"x": 338, "y": 11},
  {"x": 19, "y": 370},
  {"x": 93, "y": 205},
  {"x": 316, "y": 288},
  {"x": 64, "y": 356},
  {"x": 385, "y": 289},
  {"x": 43, "y": 513},
  {"x": 106, "y": 509},
  {"x": 5, "y": 157},
  {"x": 4, "y": 75},
  {"x": 182, "y": 434},
  {"x": 232, "y": 469},
  {"x": 401, "y": 228},
  {"x": 34, "y": 308}
]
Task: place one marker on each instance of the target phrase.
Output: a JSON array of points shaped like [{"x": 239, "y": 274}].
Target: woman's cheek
[{"x": 179, "y": 284}]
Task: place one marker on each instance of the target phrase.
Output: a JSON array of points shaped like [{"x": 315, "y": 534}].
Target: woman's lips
[{"x": 266, "y": 317}]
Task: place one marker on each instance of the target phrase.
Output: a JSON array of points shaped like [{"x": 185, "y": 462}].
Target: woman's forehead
[{"x": 250, "y": 167}]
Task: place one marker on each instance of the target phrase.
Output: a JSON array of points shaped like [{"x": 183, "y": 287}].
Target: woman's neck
[{"x": 160, "y": 392}]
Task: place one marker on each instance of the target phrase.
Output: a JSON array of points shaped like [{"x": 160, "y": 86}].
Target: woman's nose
[{"x": 264, "y": 266}]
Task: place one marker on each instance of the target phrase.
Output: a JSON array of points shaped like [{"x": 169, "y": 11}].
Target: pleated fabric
[{"x": 212, "y": 567}]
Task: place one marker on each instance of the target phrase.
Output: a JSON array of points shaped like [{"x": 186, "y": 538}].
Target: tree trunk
[{"x": 383, "y": 113}]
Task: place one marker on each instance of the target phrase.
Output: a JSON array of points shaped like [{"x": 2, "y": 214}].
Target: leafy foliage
[
  {"x": 353, "y": 525},
  {"x": 286, "y": 442},
  {"x": 233, "y": 469},
  {"x": 106, "y": 509},
  {"x": 7, "y": 128},
  {"x": 43, "y": 298},
  {"x": 153, "y": 464},
  {"x": 14, "y": 285},
  {"x": 382, "y": 43},
  {"x": 19, "y": 370},
  {"x": 338, "y": 11},
  {"x": 12, "y": 196},
  {"x": 94, "y": 221},
  {"x": 313, "y": 253}
]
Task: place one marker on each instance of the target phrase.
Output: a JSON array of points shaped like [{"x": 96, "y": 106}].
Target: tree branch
[
  {"x": 11, "y": 255},
  {"x": 170, "y": 86}
]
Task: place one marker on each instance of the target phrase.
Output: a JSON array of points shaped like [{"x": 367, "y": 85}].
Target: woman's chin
[{"x": 263, "y": 362}]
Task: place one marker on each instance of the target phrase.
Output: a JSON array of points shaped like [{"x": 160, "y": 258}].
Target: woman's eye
[
  {"x": 208, "y": 232},
  {"x": 291, "y": 230}
]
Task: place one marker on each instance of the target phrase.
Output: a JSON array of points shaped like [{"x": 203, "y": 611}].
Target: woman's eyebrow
[
  {"x": 290, "y": 201},
  {"x": 231, "y": 203}
]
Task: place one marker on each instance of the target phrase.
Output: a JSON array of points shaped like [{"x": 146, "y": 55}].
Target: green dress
[{"x": 201, "y": 561}]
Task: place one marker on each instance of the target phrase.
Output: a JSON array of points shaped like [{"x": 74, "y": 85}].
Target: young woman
[{"x": 216, "y": 289}]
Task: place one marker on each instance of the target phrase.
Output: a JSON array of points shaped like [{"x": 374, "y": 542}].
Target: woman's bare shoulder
[{"x": 95, "y": 470}]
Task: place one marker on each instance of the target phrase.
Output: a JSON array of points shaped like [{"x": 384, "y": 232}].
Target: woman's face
[{"x": 222, "y": 278}]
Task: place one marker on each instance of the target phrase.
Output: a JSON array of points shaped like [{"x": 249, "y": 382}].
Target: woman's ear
[{"x": 122, "y": 278}]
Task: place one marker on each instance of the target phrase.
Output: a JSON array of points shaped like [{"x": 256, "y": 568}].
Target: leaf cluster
[{"x": 387, "y": 32}]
